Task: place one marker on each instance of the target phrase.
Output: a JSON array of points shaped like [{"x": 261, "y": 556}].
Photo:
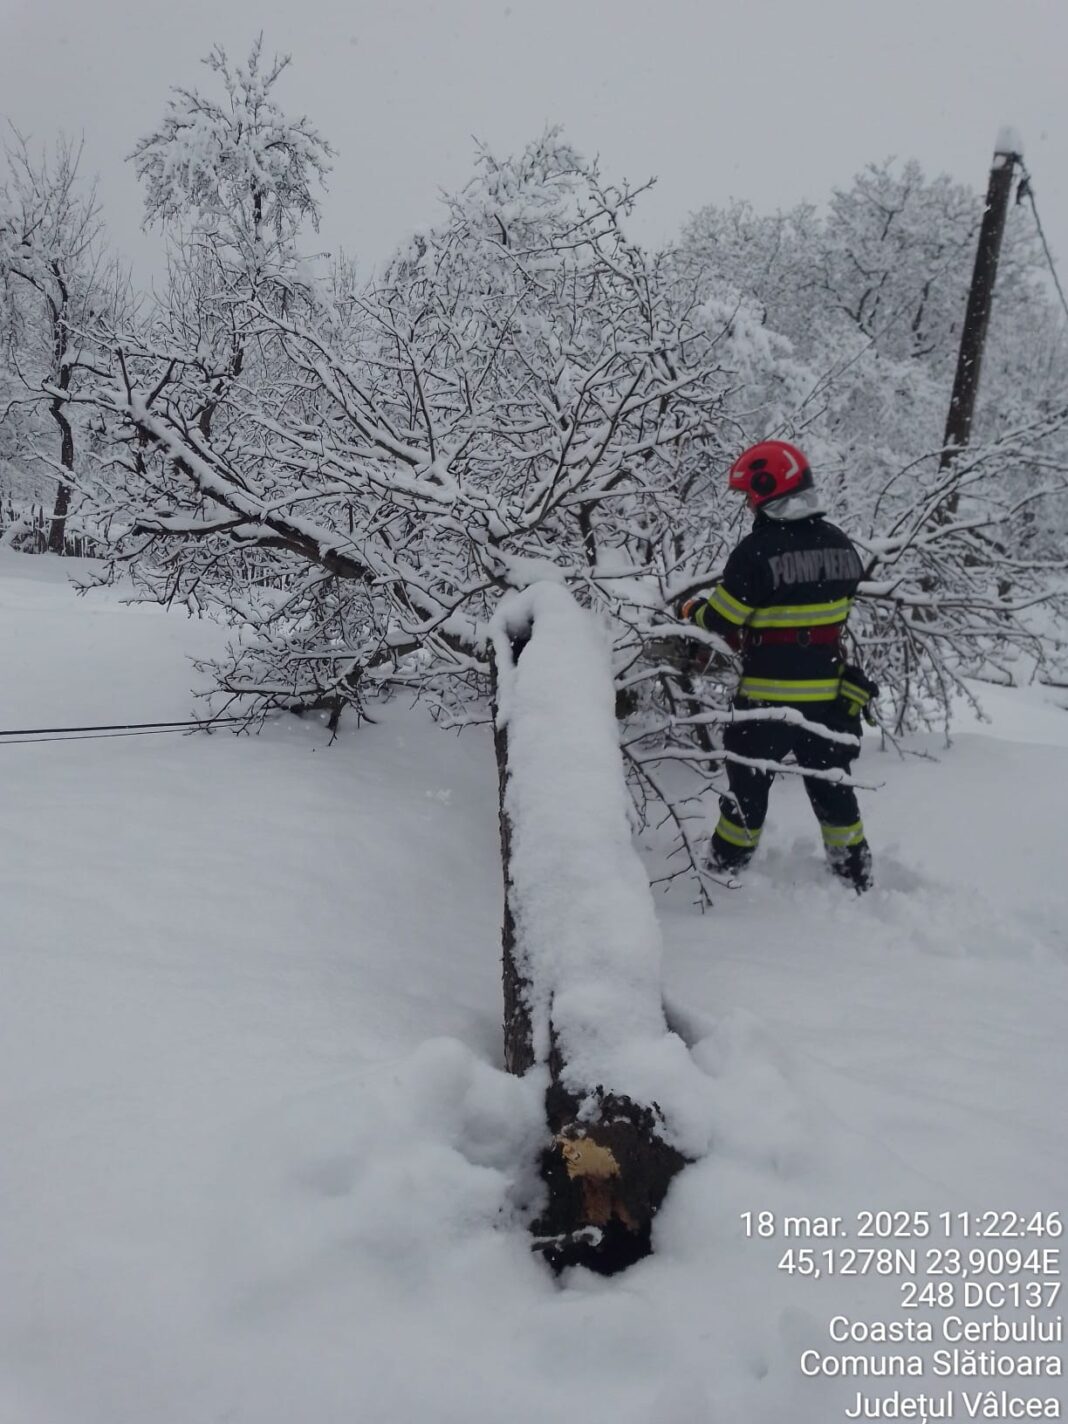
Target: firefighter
[{"x": 783, "y": 602}]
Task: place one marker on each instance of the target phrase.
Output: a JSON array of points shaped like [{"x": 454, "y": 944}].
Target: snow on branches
[
  {"x": 237, "y": 165},
  {"x": 354, "y": 473},
  {"x": 523, "y": 393},
  {"x": 966, "y": 560},
  {"x": 58, "y": 290}
]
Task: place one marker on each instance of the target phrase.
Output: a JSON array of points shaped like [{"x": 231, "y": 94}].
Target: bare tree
[{"x": 60, "y": 288}]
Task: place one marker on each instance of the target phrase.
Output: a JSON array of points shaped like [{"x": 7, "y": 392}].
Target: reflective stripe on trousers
[
  {"x": 736, "y": 835},
  {"x": 843, "y": 835}
]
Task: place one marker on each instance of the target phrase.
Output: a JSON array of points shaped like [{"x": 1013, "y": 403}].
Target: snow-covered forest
[{"x": 289, "y": 484}]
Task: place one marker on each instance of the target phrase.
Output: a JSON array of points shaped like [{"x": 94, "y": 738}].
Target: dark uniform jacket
[{"x": 784, "y": 598}]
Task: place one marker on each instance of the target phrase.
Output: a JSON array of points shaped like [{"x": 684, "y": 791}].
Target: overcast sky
[{"x": 770, "y": 100}]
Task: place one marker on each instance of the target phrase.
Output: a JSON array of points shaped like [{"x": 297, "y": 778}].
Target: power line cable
[
  {"x": 10, "y": 741},
  {"x": 1027, "y": 190},
  {"x": 21, "y": 736}
]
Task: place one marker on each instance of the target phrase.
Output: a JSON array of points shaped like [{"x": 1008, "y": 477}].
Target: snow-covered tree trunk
[{"x": 582, "y": 986}]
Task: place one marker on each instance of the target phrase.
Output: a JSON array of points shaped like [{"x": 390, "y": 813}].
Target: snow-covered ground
[{"x": 258, "y": 1163}]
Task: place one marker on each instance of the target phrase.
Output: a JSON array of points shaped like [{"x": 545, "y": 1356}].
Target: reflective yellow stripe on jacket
[
  {"x": 777, "y": 689},
  {"x": 724, "y": 603},
  {"x": 785, "y": 615},
  {"x": 853, "y": 693}
]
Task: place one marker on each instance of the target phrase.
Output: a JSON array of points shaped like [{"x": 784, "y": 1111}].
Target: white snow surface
[
  {"x": 1009, "y": 140},
  {"x": 260, "y": 1163}
]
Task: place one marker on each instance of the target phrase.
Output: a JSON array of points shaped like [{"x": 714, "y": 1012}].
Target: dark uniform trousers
[{"x": 744, "y": 810}]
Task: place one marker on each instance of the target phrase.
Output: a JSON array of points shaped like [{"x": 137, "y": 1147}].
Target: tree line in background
[{"x": 352, "y": 469}]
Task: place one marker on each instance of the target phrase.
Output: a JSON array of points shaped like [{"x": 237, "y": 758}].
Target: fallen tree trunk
[{"x": 582, "y": 998}]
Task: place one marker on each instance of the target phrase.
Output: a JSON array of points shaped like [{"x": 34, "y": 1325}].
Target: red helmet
[{"x": 769, "y": 470}]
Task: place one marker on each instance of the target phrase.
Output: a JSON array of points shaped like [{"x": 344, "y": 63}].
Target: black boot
[
  {"x": 852, "y": 863},
  {"x": 725, "y": 859}
]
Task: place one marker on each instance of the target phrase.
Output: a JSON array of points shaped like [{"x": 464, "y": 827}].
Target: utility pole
[{"x": 1007, "y": 151}]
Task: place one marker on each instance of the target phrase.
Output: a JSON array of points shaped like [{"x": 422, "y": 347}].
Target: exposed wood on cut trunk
[{"x": 607, "y": 1176}]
